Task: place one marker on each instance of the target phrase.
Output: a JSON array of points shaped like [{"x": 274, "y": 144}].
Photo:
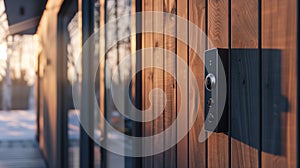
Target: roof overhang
[{"x": 23, "y": 16}]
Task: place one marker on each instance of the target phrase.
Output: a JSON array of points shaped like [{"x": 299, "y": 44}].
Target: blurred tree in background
[{"x": 18, "y": 55}]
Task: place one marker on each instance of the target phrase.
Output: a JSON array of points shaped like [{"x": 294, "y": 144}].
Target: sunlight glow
[{"x": 3, "y": 53}]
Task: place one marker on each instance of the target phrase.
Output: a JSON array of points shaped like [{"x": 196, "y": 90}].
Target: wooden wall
[
  {"x": 47, "y": 78},
  {"x": 261, "y": 36},
  {"x": 279, "y": 85},
  {"x": 262, "y": 39}
]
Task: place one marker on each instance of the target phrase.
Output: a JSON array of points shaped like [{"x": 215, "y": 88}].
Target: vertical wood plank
[
  {"x": 102, "y": 77},
  {"x": 279, "y": 84},
  {"x": 218, "y": 34},
  {"x": 147, "y": 77},
  {"x": 182, "y": 75},
  {"x": 158, "y": 81},
  {"x": 245, "y": 100},
  {"x": 102, "y": 63},
  {"x": 169, "y": 80},
  {"x": 197, "y": 150},
  {"x": 244, "y": 83}
]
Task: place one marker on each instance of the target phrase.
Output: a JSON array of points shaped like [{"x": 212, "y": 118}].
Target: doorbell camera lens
[{"x": 210, "y": 81}]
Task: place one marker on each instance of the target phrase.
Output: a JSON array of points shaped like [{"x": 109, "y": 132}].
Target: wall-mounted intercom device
[{"x": 215, "y": 94}]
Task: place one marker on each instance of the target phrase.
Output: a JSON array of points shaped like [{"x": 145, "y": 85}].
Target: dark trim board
[
  {"x": 67, "y": 11},
  {"x": 137, "y": 126},
  {"x": 62, "y": 154},
  {"x": 86, "y": 142}
]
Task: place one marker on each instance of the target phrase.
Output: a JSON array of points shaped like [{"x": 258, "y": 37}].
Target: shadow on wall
[
  {"x": 245, "y": 83},
  {"x": 274, "y": 105}
]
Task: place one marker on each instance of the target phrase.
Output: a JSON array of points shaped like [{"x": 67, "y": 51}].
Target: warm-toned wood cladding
[
  {"x": 182, "y": 95},
  {"x": 218, "y": 34},
  {"x": 245, "y": 96},
  {"x": 279, "y": 86},
  {"x": 197, "y": 16},
  {"x": 261, "y": 38},
  {"x": 147, "y": 76}
]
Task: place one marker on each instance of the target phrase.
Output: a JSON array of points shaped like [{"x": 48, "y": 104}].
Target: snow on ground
[
  {"x": 17, "y": 125},
  {"x": 21, "y": 125}
]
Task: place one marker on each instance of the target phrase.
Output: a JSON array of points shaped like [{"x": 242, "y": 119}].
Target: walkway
[
  {"x": 20, "y": 154},
  {"x": 18, "y": 148}
]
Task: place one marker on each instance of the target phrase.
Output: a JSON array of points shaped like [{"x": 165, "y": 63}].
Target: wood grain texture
[
  {"x": 279, "y": 85},
  {"x": 182, "y": 91},
  {"x": 169, "y": 81},
  {"x": 197, "y": 151},
  {"x": 244, "y": 24},
  {"x": 245, "y": 107},
  {"x": 147, "y": 40},
  {"x": 158, "y": 82},
  {"x": 245, "y": 93},
  {"x": 218, "y": 34},
  {"x": 218, "y": 23}
]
